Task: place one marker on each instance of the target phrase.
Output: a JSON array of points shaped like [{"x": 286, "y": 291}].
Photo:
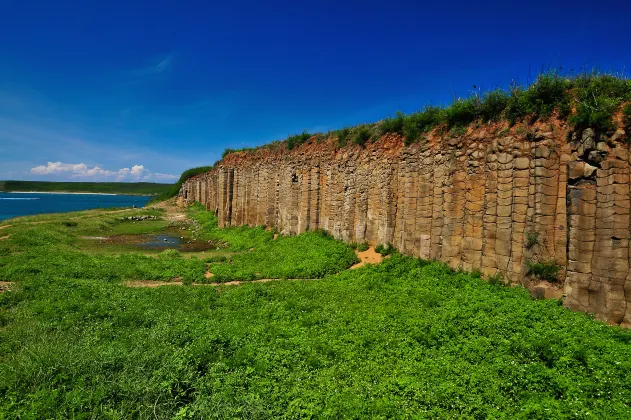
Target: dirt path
[
  {"x": 5, "y": 226},
  {"x": 153, "y": 283},
  {"x": 370, "y": 256},
  {"x": 175, "y": 209},
  {"x": 2, "y": 238}
]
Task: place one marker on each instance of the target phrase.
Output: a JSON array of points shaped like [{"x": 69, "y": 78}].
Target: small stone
[
  {"x": 588, "y": 170},
  {"x": 619, "y": 134},
  {"x": 576, "y": 169}
]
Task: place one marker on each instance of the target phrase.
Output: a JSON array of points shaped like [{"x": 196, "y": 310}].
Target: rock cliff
[{"x": 495, "y": 200}]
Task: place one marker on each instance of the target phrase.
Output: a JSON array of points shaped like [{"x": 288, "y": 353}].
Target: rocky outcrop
[{"x": 494, "y": 200}]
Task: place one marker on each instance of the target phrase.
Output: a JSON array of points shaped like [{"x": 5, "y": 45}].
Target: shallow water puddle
[{"x": 159, "y": 242}]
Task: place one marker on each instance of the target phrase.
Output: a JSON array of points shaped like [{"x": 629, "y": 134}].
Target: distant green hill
[{"x": 134, "y": 188}]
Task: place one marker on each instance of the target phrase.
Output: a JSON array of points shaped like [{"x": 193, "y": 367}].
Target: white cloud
[
  {"x": 82, "y": 171},
  {"x": 137, "y": 171}
]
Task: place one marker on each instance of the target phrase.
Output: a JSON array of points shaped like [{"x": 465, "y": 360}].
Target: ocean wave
[{"x": 6, "y": 198}]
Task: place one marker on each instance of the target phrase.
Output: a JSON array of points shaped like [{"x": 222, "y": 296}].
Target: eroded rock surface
[{"x": 491, "y": 200}]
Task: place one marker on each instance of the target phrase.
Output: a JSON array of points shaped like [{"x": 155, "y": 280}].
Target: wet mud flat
[{"x": 171, "y": 239}]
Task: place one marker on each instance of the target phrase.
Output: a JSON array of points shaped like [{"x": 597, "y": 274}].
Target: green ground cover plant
[
  {"x": 405, "y": 338},
  {"x": 544, "y": 270},
  {"x": 308, "y": 255}
]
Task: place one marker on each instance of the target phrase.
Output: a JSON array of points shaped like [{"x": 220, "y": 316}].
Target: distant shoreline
[{"x": 74, "y": 192}]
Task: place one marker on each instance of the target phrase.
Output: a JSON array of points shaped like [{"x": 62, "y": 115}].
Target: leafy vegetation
[
  {"x": 361, "y": 246},
  {"x": 309, "y": 255},
  {"x": 130, "y": 188},
  {"x": 532, "y": 239},
  {"x": 584, "y": 100},
  {"x": 386, "y": 249},
  {"x": 362, "y": 136},
  {"x": 546, "y": 270},
  {"x": 405, "y": 338},
  {"x": 298, "y": 139}
]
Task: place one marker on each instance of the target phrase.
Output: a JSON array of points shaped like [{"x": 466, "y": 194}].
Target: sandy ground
[{"x": 370, "y": 256}]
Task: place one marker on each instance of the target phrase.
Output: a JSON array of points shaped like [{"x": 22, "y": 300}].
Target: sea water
[{"x": 26, "y": 204}]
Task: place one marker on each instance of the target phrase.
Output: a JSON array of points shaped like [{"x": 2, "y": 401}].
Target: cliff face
[{"x": 492, "y": 200}]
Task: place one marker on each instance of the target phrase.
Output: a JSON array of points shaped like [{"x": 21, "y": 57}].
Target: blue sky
[{"x": 134, "y": 90}]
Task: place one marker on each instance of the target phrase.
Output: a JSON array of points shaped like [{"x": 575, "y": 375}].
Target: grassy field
[
  {"x": 132, "y": 188},
  {"x": 403, "y": 339}
]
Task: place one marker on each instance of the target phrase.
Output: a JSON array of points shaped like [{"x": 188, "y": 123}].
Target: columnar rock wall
[{"x": 492, "y": 200}]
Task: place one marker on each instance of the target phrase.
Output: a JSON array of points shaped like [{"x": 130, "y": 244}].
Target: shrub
[
  {"x": 69, "y": 224},
  {"x": 227, "y": 151},
  {"x": 393, "y": 124},
  {"x": 362, "y": 136},
  {"x": 541, "y": 98},
  {"x": 493, "y": 105},
  {"x": 497, "y": 279},
  {"x": 532, "y": 239},
  {"x": 458, "y": 131},
  {"x": 547, "y": 270},
  {"x": 462, "y": 112},
  {"x": 343, "y": 136},
  {"x": 363, "y": 246},
  {"x": 597, "y": 98},
  {"x": 384, "y": 250},
  {"x": 297, "y": 139}
]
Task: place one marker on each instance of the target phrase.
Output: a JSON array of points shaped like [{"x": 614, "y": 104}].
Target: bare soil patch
[
  {"x": 175, "y": 209},
  {"x": 153, "y": 283},
  {"x": 370, "y": 256},
  {"x": 2, "y": 238},
  {"x": 5, "y": 226},
  {"x": 5, "y": 286},
  {"x": 546, "y": 290}
]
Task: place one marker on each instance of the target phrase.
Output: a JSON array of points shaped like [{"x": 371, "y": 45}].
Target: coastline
[{"x": 73, "y": 192}]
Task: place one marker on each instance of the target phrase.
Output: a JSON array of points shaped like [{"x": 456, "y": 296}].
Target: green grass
[
  {"x": 239, "y": 238},
  {"x": 403, "y": 339},
  {"x": 595, "y": 96},
  {"x": 132, "y": 188},
  {"x": 544, "y": 270},
  {"x": 309, "y": 255}
]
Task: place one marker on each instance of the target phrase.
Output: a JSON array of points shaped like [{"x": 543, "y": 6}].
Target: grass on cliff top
[
  {"x": 583, "y": 100},
  {"x": 405, "y": 338}
]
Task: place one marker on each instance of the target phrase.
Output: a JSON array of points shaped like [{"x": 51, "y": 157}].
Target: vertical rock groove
[{"x": 488, "y": 202}]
